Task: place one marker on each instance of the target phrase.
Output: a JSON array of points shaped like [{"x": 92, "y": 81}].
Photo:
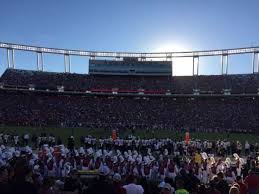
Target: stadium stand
[
  {"x": 204, "y": 114},
  {"x": 238, "y": 84},
  {"x": 214, "y": 113}
]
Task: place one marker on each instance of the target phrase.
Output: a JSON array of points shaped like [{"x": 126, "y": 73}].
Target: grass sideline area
[{"x": 64, "y": 133}]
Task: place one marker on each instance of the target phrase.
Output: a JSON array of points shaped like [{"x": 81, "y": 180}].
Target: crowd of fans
[
  {"x": 211, "y": 114},
  {"x": 126, "y": 166},
  {"x": 238, "y": 84},
  {"x": 43, "y": 164}
]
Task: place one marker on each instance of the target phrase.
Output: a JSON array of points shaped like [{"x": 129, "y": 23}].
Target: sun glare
[
  {"x": 170, "y": 48},
  {"x": 181, "y": 66}
]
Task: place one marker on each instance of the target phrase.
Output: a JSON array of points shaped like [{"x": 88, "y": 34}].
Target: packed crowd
[
  {"x": 211, "y": 114},
  {"x": 43, "y": 164},
  {"x": 130, "y": 166},
  {"x": 238, "y": 84}
]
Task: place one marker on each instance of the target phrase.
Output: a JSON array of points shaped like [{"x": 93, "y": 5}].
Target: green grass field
[{"x": 78, "y": 132}]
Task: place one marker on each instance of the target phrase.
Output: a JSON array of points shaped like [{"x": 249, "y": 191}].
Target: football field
[{"x": 64, "y": 133}]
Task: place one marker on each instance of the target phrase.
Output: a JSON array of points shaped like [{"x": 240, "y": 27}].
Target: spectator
[
  {"x": 222, "y": 185},
  {"x": 132, "y": 187},
  {"x": 101, "y": 185},
  {"x": 234, "y": 190},
  {"x": 46, "y": 187},
  {"x": 5, "y": 187},
  {"x": 117, "y": 184},
  {"x": 71, "y": 182},
  {"x": 167, "y": 189},
  {"x": 242, "y": 186},
  {"x": 23, "y": 179},
  {"x": 252, "y": 181},
  {"x": 180, "y": 187},
  {"x": 212, "y": 188}
]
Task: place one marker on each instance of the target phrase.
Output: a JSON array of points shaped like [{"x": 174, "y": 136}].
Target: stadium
[
  {"x": 129, "y": 97},
  {"x": 131, "y": 94},
  {"x": 130, "y": 91}
]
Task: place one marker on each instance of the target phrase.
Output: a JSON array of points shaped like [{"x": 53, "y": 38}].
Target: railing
[{"x": 111, "y": 92}]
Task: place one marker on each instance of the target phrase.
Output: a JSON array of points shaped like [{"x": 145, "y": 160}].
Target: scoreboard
[{"x": 130, "y": 66}]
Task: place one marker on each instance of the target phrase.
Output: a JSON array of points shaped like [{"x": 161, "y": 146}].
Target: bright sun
[
  {"x": 170, "y": 48},
  {"x": 181, "y": 66}
]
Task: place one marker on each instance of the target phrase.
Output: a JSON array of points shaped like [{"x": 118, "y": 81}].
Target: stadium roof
[{"x": 129, "y": 54}]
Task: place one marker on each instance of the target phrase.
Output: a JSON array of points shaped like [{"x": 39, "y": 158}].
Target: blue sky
[{"x": 131, "y": 25}]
